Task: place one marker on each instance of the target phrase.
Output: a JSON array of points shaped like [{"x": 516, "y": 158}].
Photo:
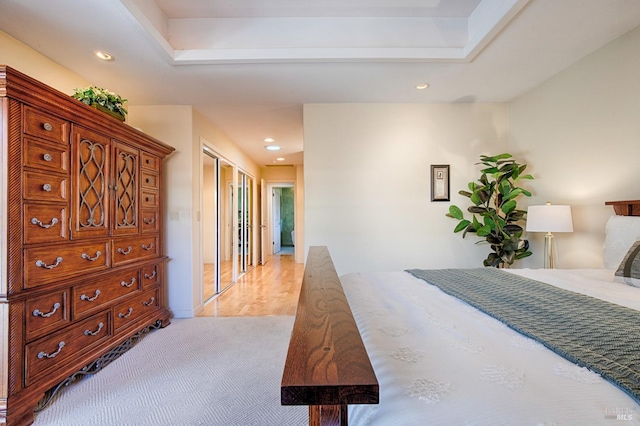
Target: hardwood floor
[{"x": 271, "y": 289}]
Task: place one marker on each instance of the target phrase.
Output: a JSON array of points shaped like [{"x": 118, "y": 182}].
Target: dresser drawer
[
  {"x": 48, "y": 355},
  {"x": 45, "y": 314},
  {"x": 150, "y": 220},
  {"x": 45, "y": 223},
  {"x": 44, "y": 265},
  {"x": 46, "y": 126},
  {"x": 130, "y": 249},
  {"x": 45, "y": 156},
  {"x": 44, "y": 187},
  {"x": 94, "y": 296},
  {"x": 149, "y": 198},
  {"x": 150, "y": 162},
  {"x": 151, "y": 275},
  {"x": 134, "y": 308},
  {"x": 149, "y": 179}
]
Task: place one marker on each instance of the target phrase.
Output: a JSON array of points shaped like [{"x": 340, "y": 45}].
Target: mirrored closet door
[
  {"x": 245, "y": 223},
  {"x": 217, "y": 224}
]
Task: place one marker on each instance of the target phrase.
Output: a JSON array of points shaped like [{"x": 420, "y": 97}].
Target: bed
[{"x": 445, "y": 359}]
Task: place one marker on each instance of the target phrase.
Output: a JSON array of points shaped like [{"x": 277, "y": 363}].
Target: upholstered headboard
[
  {"x": 625, "y": 208},
  {"x": 621, "y": 231}
]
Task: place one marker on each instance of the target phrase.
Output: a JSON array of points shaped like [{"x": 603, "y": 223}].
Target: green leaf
[
  {"x": 463, "y": 224},
  {"x": 523, "y": 255},
  {"x": 477, "y": 210},
  {"x": 509, "y": 206},
  {"x": 514, "y": 193},
  {"x": 475, "y": 198},
  {"x": 455, "y": 212},
  {"x": 505, "y": 187},
  {"x": 483, "y": 231}
]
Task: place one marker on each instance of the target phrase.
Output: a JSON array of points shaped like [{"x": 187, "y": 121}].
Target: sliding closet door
[
  {"x": 210, "y": 257},
  {"x": 217, "y": 215},
  {"x": 245, "y": 223},
  {"x": 226, "y": 195}
]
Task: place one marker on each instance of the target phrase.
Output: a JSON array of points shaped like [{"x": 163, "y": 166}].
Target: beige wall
[
  {"x": 21, "y": 57},
  {"x": 367, "y": 181},
  {"x": 173, "y": 125},
  {"x": 580, "y": 132}
]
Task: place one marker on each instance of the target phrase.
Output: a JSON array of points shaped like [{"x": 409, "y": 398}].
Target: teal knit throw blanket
[{"x": 592, "y": 333}]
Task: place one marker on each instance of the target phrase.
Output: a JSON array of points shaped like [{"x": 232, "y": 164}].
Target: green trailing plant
[
  {"x": 494, "y": 213},
  {"x": 96, "y": 95}
]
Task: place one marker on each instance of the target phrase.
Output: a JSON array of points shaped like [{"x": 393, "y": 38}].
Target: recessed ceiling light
[
  {"x": 280, "y": 158},
  {"x": 272, "y": 148},
  {"x": 269, "y": 140},
  {"x": 105, "y": 56},
  {"x": 422, "y": 86}
]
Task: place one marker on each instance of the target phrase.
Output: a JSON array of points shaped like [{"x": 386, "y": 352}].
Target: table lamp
[{"x": 549, "y": 218}]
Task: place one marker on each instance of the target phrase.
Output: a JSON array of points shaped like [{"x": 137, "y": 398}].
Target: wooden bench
[{"x": 327, "y": 366}]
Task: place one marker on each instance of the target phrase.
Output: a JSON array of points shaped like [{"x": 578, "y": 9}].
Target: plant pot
[{"x": 108, "y": 111}]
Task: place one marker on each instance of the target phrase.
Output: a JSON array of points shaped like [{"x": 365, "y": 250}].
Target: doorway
[{"x": 282, "y": 214}]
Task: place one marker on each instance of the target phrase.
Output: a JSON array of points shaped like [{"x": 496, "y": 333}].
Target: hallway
[{"x": 271, "y": 289}]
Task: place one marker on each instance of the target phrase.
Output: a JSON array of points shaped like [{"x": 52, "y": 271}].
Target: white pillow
[{"x": 620, "y": 234}]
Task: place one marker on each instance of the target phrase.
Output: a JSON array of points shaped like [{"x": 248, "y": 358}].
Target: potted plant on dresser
[{"x": 103, "y": 100}]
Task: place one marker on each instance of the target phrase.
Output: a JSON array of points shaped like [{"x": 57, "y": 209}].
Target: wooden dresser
[{"x": 81, "y": 256}]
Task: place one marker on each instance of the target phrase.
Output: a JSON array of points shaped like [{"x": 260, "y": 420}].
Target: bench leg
[{"x": 328, "y": 415}]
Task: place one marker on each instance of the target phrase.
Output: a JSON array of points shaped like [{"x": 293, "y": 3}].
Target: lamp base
[{"x": 549, "y": 255}]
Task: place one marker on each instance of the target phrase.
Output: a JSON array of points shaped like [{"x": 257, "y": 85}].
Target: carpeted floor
[{"x": 199, "y": 371}]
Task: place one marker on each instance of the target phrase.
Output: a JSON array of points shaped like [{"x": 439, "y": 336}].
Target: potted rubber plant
[{"x": 494, "y": 213}]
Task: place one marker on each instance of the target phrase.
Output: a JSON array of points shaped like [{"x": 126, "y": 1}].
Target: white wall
[
  {"x": 367, "y": 181},
  {"x": 580, "y": 132}
]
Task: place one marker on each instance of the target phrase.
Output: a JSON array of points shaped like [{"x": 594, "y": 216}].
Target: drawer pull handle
[
  {"x": 124, "y": 252},
  {"x": 150, "y": 302},
  {"x": 147, "y": 247},
  {"x": 90, "y": 299},
  {"x": 147, "y": 180},
  {"x": 128, "y": 284},
  {"x": 41, "y": 264},
  {"x": 127, "y": 315},
  {"x": 37, "y": 313},
  {"x": 47, "y": 126},
  {"x": 152, "y": 276},
  {"x": 47, "y": 157},
  {"x": 149, "y": 221},
  {"x": 35, "y": 221},
  {"x": 85, "y": 256},
  {"x": 43, "y": 354},
  {"x": 93, "y": 333},
  {"x": 46, "y": 187}
]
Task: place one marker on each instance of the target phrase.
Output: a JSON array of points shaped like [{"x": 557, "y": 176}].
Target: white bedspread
[{"x": 441, "y": 362}]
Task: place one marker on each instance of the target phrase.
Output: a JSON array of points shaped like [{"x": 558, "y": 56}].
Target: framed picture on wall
[{"x": 439, "y": 182}]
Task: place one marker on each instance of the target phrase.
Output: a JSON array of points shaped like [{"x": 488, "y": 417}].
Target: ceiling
[{"x": 250, "y": 65}]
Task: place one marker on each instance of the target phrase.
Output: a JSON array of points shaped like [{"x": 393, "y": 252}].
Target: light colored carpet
[{"x": 199, "y": 371}]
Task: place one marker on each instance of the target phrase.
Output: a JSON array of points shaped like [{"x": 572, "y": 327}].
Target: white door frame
[{"x": 269, "y": 208}]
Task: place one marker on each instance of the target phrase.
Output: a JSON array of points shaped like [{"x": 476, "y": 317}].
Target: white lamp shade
[{"x": 549, "y": 218}]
